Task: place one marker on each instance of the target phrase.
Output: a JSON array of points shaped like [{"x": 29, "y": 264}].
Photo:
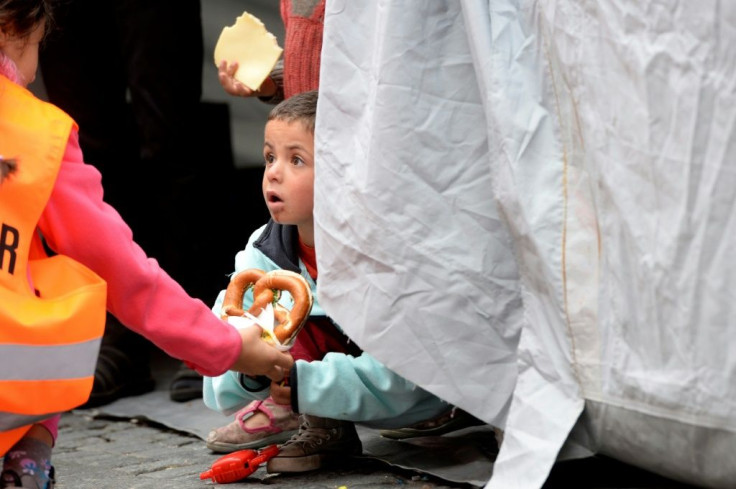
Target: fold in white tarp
[{"x": 528, "y": 208}]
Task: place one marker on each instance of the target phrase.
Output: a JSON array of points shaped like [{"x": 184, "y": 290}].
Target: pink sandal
[{"x": 283, "y": 423}]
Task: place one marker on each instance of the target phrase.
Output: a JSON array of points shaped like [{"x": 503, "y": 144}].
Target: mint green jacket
[{"x": 340, "y": 386}]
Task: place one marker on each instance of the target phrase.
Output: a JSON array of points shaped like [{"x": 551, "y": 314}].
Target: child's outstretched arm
[{"x": 78, "y": 223}]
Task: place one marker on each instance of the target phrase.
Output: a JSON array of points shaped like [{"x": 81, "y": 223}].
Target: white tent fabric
[{"x": 528, "y": 208}]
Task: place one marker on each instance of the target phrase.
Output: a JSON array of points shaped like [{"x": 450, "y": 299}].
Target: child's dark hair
[
  {"x": 18, "y": 18},
  {"x": 300, "y": 107}
]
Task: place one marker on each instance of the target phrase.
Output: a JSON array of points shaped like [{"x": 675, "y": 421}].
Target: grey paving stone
[{"x": 119, "y": 454}]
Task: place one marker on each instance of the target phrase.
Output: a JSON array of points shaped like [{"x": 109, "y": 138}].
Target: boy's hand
[
  {"x": 259, "y": 358},
  {"x": 226, "y": 75},
  {"x": 281, "y": 394}
]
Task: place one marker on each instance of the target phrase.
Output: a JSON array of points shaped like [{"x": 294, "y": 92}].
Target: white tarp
[{"x": 528, "y": 208}]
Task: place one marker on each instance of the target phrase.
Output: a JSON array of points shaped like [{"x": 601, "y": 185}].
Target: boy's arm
[
  {"x": 359, "y": 389},
  {"x": 226, "y": 394}
]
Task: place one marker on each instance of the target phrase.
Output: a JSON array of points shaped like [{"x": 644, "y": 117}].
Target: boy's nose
[{"x": 273, "y": 171}]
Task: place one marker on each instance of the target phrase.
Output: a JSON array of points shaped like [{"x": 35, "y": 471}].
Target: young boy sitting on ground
[{"x": 332, "y": 383}]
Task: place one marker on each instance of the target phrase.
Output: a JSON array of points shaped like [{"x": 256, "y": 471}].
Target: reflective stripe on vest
[
  {"x": 9, "y": 420},
  {"x": 23, "y": 362},
  {"x": 52, "y": 310}
]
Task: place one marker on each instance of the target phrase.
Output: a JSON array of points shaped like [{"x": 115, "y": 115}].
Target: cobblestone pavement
[{"x": 106, "y": 453}]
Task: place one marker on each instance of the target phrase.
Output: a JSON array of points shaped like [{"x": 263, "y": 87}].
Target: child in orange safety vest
[{"x": 52, "y": 309}]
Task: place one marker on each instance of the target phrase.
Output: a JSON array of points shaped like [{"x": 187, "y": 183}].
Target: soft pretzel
[
  {"x": 232, "y": 305},
  {"x": 266, "y": 289}
]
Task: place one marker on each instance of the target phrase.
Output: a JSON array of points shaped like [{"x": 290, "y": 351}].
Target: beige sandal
[{"x": 283, "y": 424}]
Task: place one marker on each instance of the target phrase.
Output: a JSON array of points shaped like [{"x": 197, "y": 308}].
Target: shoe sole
[
  {"x": 308, "y": 463},
  {"x": 277, "y": 439},
  {"x": 296, "y": 464},
  {"x": 184, "y": 395},
  {"x": 185, "y": 386},
  {"x": 454, "y": 425}
]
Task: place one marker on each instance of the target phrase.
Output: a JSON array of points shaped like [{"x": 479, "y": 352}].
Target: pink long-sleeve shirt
[{"x": 79, "y": 224}]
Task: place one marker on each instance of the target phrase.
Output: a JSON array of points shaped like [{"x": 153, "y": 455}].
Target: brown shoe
[
  {"x": 451, "y": 420},
  {"x": 320, "y": 442}
]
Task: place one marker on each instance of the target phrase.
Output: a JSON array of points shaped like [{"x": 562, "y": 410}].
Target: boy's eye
[
  {"x": 268, "y": 157},
  {"x": 297, "y": 161}
]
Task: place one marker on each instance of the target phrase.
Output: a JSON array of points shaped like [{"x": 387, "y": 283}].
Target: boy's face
[{"x": 288, "y": 179}]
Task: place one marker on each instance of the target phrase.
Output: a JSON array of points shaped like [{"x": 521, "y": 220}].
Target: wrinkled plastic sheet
[{"x": 527, "y": 208}]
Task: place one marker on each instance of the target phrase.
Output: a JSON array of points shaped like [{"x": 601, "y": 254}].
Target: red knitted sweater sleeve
[{"x": 302, "y": 46}]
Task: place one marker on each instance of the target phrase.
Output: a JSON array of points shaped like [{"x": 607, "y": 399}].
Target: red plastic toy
[{"x": 238, "y": 465}]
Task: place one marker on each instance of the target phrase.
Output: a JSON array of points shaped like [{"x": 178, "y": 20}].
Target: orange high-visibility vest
[{"x": 52, "y": 309}]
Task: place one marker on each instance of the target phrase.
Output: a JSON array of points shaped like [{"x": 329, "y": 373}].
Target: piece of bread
[{"x": 254, "y": 48}]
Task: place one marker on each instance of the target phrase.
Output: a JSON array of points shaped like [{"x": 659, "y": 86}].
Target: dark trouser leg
[{"x": 153, "y": 49}]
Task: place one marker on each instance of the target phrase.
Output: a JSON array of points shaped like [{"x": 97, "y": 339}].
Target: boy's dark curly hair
[{"x": 300, "y": 107}]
